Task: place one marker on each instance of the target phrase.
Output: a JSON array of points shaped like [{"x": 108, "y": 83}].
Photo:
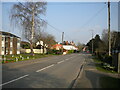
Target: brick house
[{"x": 9, "y": 43}]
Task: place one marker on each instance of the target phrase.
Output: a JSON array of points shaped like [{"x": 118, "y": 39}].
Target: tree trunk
[
  {"x": 43, "y": 49},
  {"x": 31, "y": 47},
  {"x": 32, "y": 36}
]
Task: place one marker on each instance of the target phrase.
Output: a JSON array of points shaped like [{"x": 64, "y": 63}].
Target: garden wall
[{"x": 116, "y": 61}]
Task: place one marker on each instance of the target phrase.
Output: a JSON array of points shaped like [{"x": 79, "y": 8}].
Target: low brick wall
[
  {"x": 119, "y": 63},
  {"x": 116, "y": 61}
]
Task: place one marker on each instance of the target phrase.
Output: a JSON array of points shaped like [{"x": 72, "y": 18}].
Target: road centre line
[
  {"x": 45, "y": 68},
  {"x": 14, "y": 80},
  {"x": 53, "y": 64},
  {"x": 67, "y": 59},
  {"x": 60, "y": 62}
]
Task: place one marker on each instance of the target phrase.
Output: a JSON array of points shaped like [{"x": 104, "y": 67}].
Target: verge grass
[
  {"x": 100, "y": 67},
  {"x": 22, "y": 57}
]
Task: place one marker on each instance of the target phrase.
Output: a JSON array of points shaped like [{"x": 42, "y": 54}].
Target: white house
[{"x": 69, "y": 47}]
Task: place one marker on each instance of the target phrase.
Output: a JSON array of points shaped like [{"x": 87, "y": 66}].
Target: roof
[
  {"x": 57, "y": 45},
  {"x": 8, "y": 34}
]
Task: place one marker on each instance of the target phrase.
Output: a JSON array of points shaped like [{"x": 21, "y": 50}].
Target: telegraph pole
[
  {"x": 62, "y": 37},
  {"x": 62, "y": 40},
  {"x": 92, "y": 42},
  {"x": 109, "y": 36}
]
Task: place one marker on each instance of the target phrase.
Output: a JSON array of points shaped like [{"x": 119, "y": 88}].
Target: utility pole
[
  {"x": 62, "y": 40},
  {"x": 109, "y": 34},
  {"x": 92, "y": 42},
  {"x": 62, "y": 37}
]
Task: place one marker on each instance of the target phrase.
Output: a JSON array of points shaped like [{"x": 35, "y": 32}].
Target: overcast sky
[{"x": 75, "y": 19}]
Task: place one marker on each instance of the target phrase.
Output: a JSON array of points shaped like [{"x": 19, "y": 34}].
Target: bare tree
[
  {"x": 27, "y": 15},
  {"x": 80, "y": 46},
  {"x": 46, "y": 38}
]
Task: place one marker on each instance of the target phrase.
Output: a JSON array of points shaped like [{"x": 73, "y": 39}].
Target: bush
[
  {"x": 53, "y": 51},
  {"x": 70, "y": 51},
  {"x": 108, "y": 59}
]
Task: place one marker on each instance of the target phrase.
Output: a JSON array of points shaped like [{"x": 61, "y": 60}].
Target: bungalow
[
  {"x": 9, "y": 43},
  {"x": 39, "y": 48},
  {"x": 67, "y": 48},
  {"x": 57, "y": 46}
]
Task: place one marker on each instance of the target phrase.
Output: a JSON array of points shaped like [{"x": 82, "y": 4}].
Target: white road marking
[
  {"x": 14, "y": 80},
  {"x": 67, "y": 59},
  {"x": 45, "y": 68},
  {"x": 71, "y": 57},
  {"x": 60, "y": 62}
]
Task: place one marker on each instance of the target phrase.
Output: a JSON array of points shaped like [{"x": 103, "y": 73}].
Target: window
[
  {"x": 11, "y": 42},
  {"x": 3, "y": 38},
  {"x": 11, "y": 39},
  {"x": 3, "y": 49}
]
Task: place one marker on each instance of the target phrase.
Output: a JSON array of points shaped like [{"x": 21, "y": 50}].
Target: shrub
[
  {"x": 108, "y": 59},
  {"x": 53, "y": 51},
  {"x": 70, "y": 51}
]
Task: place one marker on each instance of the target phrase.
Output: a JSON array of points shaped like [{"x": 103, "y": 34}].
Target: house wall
[
  {"x": 9, "y": 43},
  {"x": 3, "y": 45},
  {"x": 18, "y": 45},
  {"x": 14, "y": 49}
]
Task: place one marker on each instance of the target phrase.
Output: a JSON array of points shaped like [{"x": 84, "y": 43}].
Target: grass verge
[
  {"x": 22, "y": 57},
  {"x": 100, "y": 67}
]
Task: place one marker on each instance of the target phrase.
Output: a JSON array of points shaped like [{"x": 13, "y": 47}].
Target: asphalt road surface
[{"x": 49, "y": 72}]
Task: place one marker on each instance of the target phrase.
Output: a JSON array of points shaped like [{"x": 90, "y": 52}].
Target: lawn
[{"x": 109, "y": 82}]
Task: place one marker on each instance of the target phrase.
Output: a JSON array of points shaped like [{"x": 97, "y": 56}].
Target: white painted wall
[
  {"x": 35, "y": 50},
  {"x": 10, "y": 52},
  {"x": 2, "y": 52},
  {"x": 69, "y": 47},
  {"x": 18, "y": 52}
]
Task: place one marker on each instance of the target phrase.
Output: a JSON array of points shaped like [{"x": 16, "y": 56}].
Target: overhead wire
[{"x": 93, "y": 17}]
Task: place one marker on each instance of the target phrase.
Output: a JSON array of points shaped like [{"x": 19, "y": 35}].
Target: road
[{"x": 49, "y": 72}]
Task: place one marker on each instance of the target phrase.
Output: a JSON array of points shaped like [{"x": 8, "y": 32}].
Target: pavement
[
  {"x": 90, "y": 76},
  {"x": 48, "y": 72}
]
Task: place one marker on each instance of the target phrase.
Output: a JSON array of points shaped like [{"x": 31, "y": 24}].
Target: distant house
[
  {"x": 85, "y": 48},
  {"x": 69, "y": 47},
  {"x": 39, "y": 47},
  {"x": 57, "y": 46},
  {"x": 9, "y": 43}
]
